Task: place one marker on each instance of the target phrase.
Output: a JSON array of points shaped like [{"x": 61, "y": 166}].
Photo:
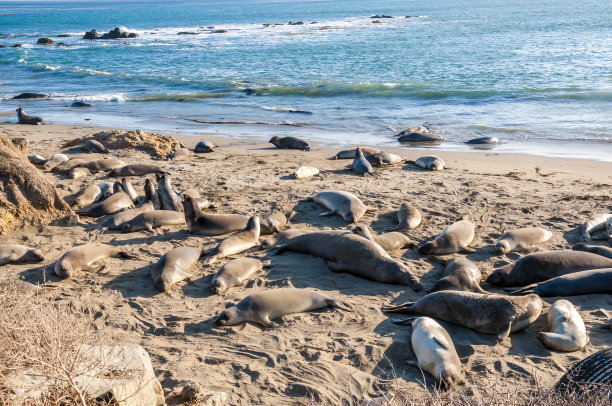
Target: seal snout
[
  {"x": 221, "y": 320},
  {"x": 426, "y": 249}
]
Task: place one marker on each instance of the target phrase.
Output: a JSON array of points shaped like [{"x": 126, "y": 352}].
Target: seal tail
[
  {"x": 403, "y": 308},
  {"x": 522, "y": 291},
  {"x": 406, "y": 322},
  {"x": 339, "y": 305}
]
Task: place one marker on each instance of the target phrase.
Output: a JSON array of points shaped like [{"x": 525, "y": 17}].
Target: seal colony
[{"x": 417, "y": 204}]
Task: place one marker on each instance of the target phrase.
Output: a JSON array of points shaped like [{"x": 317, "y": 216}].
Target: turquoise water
[{"x": 536, "y": 74}]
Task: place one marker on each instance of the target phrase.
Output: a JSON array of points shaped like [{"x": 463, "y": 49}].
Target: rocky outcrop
[
  {"x": 93, "y": 34},
  {"x": 44, "y": 41},
  {"x": 115, "y": 33}
]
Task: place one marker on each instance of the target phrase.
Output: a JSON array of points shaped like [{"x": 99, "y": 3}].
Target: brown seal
[
  {"x": 344, "y": 204},
  {"x": 290, "y": 143},
  {"x": 236, "y": 273},
  {"x": 459, "y": 274},
  {"x": 238, "y": 242},
  {"x": 149, "y": 220},
  {"x": 23, "y": 118},
  {"x": 408, "y": 217},
  {"x": 388, "y": 241},
  {"x": 82, "y": 257},
  {"x": 135, "y": 170},
  {"x": 454, "y": 238},
  {"x": 13, "y": 253},
  {"x": 174, "y": 266}
]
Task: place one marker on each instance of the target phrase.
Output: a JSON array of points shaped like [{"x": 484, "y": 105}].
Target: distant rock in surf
[
  {"x": 381, "y": 16},
  {"x": 296, "y": 23},
  {"x": 80, "y": 104},
  {"x": 115, "y": 33},
  {"x": 44, "y": 41}
]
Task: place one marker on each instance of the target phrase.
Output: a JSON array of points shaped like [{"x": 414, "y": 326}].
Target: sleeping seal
[
  {"x": 459, "y": 274},
  {"x": 76, "y": 173},
  {"x": 235, "y": 273},
  {"x": 204, "y": 146},
  {"x": 118, "y": 201},
  {"x": 82, "y": 257},
  {"x": 276, "y": 222},
  {"x": 408, "y": 217},
  {"x": 211, "y": 224},
  {"x": 265, "y": 306},
  {"x": 593, "y": 224},
  {"x": 483, "y": 141},
  {"x": 174, "y": 266},
  {"x": 181, "y": 154},
  {"x": 135, "y": 170},
  {"x": 290, "y": 143},
  {"x": 430, "y": 162},
  {"x": 238, "y": 242},
  {"x": 578, "y": 283},
  {"x": 36, "y": 160},
  {"x": 129, "y": 190},
  {"x": 388, "y": 241},
  {"x": 280, "y": 238},
  {"x": 117, "y": 220},
  {"x": 595, "y": 249},
  {"x": 521, "y": 239},
  {"x": 383, "y": 158},
  {"x": 567, "y": 330},
  {"x": 350, "y": 153},
  {"x": 489, "y": 314},
  {"x": 360, "y": 164},
  {"x": 92, "y": 193},
  {"x": 54, "y": 161},
  {"x": 542, "y": 266},
  {"x": 454, "y": 238},
  {"x": 342, "y": 203},
  {"x": 95, "y": 146},
  {"x": 435, "y": 351},
  {"x": 413, "y": 136},
  {"x": 100, "y": 165},
  {"x": 13, "y": 253},
  {"x": 149, "y": 220},
  {"x": 68, "y": 165},
  {"x": 23, "y": 118},
  {"x": 348, "y": 252}
]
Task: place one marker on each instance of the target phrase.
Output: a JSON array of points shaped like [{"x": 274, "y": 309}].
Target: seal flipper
[
  {"x": 413, "y": 364},
  {"x": 468, "y": 250},
  {"x": 398, "y": 309},
  {"x": 503, "y": 331},
  {"x": 327, "y": 213},
  {"x": 334, "y": 266},
  {"x": 405, "y": 322},
  {"x": 522, "y": 291},
  {"x": 441, "y": 342},
  {"x": 339, "y": 305}
]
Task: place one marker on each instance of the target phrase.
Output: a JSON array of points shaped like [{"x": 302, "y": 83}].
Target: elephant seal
[
  {"x": 360, "y": 164},
  {"x": 593, "y": 224},
  {"x": 411, "y": 136},
  {"x": 68, "y": 165},
  {"x": 91, "y": 194},
  {"x": 348, "y": 252},
  {"x": 430, "y": 162},
  {"x": 118, "y": 201},
  {"x": 567, "y": 330},
  {"x": 459, "y": 274},
  {"x": 54, "y": 161},
  {"x": 383, "y": 158},
  {"x": 100, "y": 165},
  {"x": 304, "y": 172},
  {"x": 152, "y": 193},
  {"x": 435, "y": 351},
  {"x": 483, "y": 141},
  {"x": 521, "y": 239},
  {"x": 129, "y": 190},
  {"x": 595, "y": 249},
  {"x": 607, "y": 324},
  {"x": 344, "y": 204},
  {"x": 489, "y": 314},
  {"x": 76, "y": 173},
  {"x": 82, "y": 257},
  {"x": 388, "y": 241},
  {"x": 149, "y": 220},
  {"x": 36, "y": 160},
  {"x": 13, "y": 253},
  {"x": 117, "y": 220},
  {"x": 174, "y": 266},
  {"x": 542, "y": 266},
  {"x": 350, "y": 153},
  {"x": 290, "y": 143},
  {"x": 135, "y": 170},
  {"x": 237, "y": 243},
  {"x": 95, "y": 146},
  {"x": 592, "y": 373},
  {"x": 454, "y": 238},
  {"x": 276, "y": 222},
  {"x": 408, "y": 217},
  {"x": 280, "y": 238},
  {"x": 181, "y": 154},
  {"x": 23, "y": 118},
  {"x": 211, "y": 224},
  {"x": 265, "y": 306},
  {"x": 204, "y": 146},
  {"x": 167, "y": 196},
  {"x": 589, "y": 282},
  {"x": 236, "y": 273}
]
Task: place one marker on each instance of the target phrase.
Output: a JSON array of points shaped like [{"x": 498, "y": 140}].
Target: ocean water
[{"x": 536, "y": 74}]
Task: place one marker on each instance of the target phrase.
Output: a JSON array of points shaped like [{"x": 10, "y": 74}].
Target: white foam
[{"x": 105, "y": 97}]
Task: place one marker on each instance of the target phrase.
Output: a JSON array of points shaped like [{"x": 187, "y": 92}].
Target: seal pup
[
  {"x": 521, "y": 239},
  {"x": 595, "y": 371},
  {"x": 483, "y": 141},
  {"x": 76, "y": 173},
  {"x": 459, "y": 274},
  {"x": 36, "y": 160},
  {"x": 54, "y": 161},
  {"x": 276, "y": 222},
  {"x": 435, "y": 351},
  {"x": 360, "y": 164},
  {"x": 149, "y": 220},
  {"x": 383, "y": 158},
  {"x": 408, "y": 217},
  {"x": 238, "y": 242},
  {"x": 344, "y": 204},
  {"x": 101, "y": 165},
  {"x": 211, "y": 224},
  {"x": 593, "y": 224},
  {"x": 236, "y": 273},
  {"x": 118, "y": 201},
  {"x": 350, "y": 153},
  {"x": 578, "y": 283},
  {"x": 542, "y": 266},
  {"x": 454, "y": 238},
  {"x": 290, "y": 143},
  {"x": 174, "y": 266},
  {"x": 168, "y": 197},
  {"x": 265, "y": 306},
  {"x": 348, "y": 252},
  {"x": 204, "y": 146},
  {"x": 430, "y": 162},
  {"x": 14, "y": 253},
  {"x": 595, "y": 249},
  {"x": 135, "y": 170},
  {"x": 68, "y": 165},
  {"x": 280, "y": 238},
  {"x": 181, "y": 154},
  {"x": 304, "y": 172},
  {"x": 129, "y": 190},
  {"x": 90, "y": 194},
  {"x": 81, "y": 258},
  {"x": 96, "y": 147},
  {"x": 567, "y": 330},
  {"x": 489, "y": 314},
  {"x": 23, "y": 118},
  {"x": 388, "y": 241}
]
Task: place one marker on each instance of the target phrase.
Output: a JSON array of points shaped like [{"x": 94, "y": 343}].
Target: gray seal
[
  {"x": 595, "y": 223},
  {"x": 76, "y": 173},
  {"x": 204, "y": 146},
  {"x": 211, "y": 224},
  {"x": 14, "y": 253},
  {"x": 383, "y": 158},
  {"x": 100, "y": 165},
  {"x": 388, "y": 241},
  {"x": 129, "y": 190},
  {"x": 566, "y": 328},
  {"x": 66, "y": 166},
  {"x": 36, "y": 160},
  {"x": 454, "y": 238},
  {"x": 82, "y": 257},
  {"x": 174, "y": 266},
  {"x": 459, "y": 274},
  {"x": 483, "y": 141},
  {"x": 149, "y": 220},
  {"x": 238, "y": 242},
  {"x": 542, "y": 266},
  {"x": 116, "y": 202},
  {"x": 117, "y": 221},
  {"x": 350, "y": 153},
  {"x": 348, "y": 252},
  {"x": 23, "y": 118},
  {"x": 265, "y": 306},
  {"x": 290, "y": 143},
  {"x": 360, "y": 164},
  {"x": 408, "y": 217},
  {"x": 595, "y": 249},
  {"x": 280, "y": 238},
  {"x": 578, "y": 283},
  {"x": 489, "y": 314},
  {"x": 430, "y": 162},
  {"x": 276, "y": 222},
  {"x": 595, "y": 371},
  {"x": 344, "y": 204},
  {"x": 90, "y": 194},
  {"x": 236, "y": 273},
  {"x": 54, "y": 161},
  {"x": 168, "y": 197},
  {"x": 135, "y": 170},
  {"x": 95, "y": 146},
  {"x": 413, "y": 137},
  {"x": 521, "y": 239}
]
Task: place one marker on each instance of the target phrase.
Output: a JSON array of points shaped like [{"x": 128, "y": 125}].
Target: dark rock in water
[
  {"x": 115, "y": 33},
  {"x": 132, "y": 35},
  {"x": 296, "y": 111},
  {"x": 376, "y": 22},
  {"x": 80, "y": 104},
  {"x": 314, "y": 22},
  {"x": 483, "y": 141},
  {"x": 249, "y": 91},
  {"x": 16, "y": 46},
  {"x": 187, "y": 33},
  {"x": 412, "y": 136},
  {"x": 218, "y": 31},
  {"x": 23, "y": 96},
  {"x": 381, "y": 16},
  {"x": 44, "y": 41},
  {"x": 63, "y": 36},
  {"x": 296, "y": 23},
  {"x": 62, "y": 44},
  {"x": 592, "y": 373},
  {"x": 93, "y": 34},
  {"x": 2, "y": 46}
]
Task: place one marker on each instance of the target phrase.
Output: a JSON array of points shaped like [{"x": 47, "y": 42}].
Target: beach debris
[
  {"x": 544, "y": 175},
  {"x": 304, "y": 172}
]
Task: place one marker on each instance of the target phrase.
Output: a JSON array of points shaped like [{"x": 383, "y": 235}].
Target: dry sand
[{"x": 329, "y": 354}]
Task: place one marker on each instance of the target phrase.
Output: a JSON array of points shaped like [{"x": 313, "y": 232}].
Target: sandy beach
[{"x": 326, "y": 355}]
